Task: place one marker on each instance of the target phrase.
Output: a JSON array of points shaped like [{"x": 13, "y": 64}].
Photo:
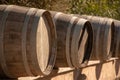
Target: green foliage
[
  {"x": 107, "y": 8},
  {"x": 29, "y": 3}
]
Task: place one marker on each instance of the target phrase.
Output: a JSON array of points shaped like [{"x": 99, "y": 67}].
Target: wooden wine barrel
[
  {"x": 27, "y": 41},
  {"x": 116, "y": 43},
  {"x": 74, "y": 40},
  {"x": 103, "y": 31}
]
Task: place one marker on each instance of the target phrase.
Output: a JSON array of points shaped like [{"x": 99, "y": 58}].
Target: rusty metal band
[
  {"x": 24, "y": 34},
  {"x": 2, "y": 26},
  {"x": 68, "y": 56}
]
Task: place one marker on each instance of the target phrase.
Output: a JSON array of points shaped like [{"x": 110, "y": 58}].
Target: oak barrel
[
  {"x": 103, "y": 31},
  {"x": 116, "y": 42},
  {"x": 27, "y": 41},
  {"x": 74, "y": 40}
]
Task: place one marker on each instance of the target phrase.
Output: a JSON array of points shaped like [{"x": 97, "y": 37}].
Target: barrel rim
[
  {"x": 89, "y": 44},
  {"x": 76, "y": 37},
  {"x": 52, "y": 53}
]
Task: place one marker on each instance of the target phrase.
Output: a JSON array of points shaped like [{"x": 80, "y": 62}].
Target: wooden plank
[{"x": 109, "y": 70}]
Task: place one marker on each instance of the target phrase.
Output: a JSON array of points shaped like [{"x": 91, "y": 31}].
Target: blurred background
[{"x": 105, "y": 8}]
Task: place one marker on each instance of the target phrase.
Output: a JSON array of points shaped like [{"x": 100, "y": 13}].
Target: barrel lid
[{"x": 45, "y": 42}]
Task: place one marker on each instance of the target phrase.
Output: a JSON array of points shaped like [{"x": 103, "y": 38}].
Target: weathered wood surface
[
  {"x": 27, "y": 41},
  {"x": 109, "y": 70}
]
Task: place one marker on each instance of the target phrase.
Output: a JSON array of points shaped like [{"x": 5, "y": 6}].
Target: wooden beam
[{"x": 109, "y": 70}]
